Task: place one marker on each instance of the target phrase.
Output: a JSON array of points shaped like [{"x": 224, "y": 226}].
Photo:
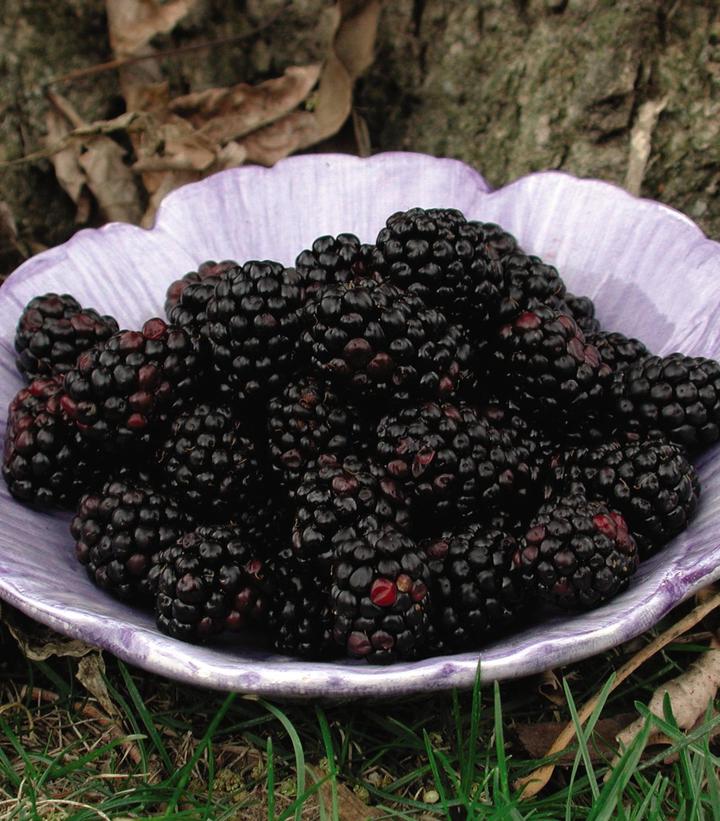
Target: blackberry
[
  {"x": 210, "y": 582},
  {"x": 375, "y": 341},
  {"x": 475, "y": 589},
  {"x": 305, "y": 420},
  {"x": 529, "y": 282},
  {"x": 253, "y": 325},
  {"x": 336, "y": 494},
  {"x": 650, "y": 481},
  {"x": 677, "y": 394},
  {"x": 46, "y": 463},
  {"x": 445, "y": 260},
  {"x": 582, "y": 310},
  {"x": 300, "y": 618},
  {"x": 576, "y": 553},
  {"x": 505, "y": 414},
  {"x": 380, "y": 595},
  {"x": 195, "y": 300},
  {"x": 453, "y": 463},
  {"x": 503, "y": 243},
  {"x": 335, "y": 261},
  {"x": 53, "y": 330},
  {"x": 616, "y": 350},
  {"x": 119, "y": 534},
  {"x": 208, "y": 461},
  {"x": 119, "y": 393},
  {"x": 549, "y": 369},
  {"x": 265, "y": 522}
]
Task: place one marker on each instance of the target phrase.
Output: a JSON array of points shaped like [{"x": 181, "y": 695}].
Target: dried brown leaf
[
  {"x": 91, "y": 674},
  {"x": 39, "y": 643},
  {"x": 224, "y": 114},
  {"x": 350, "y": 807},
  {"x": 133, "y": 23},
  {"x": 66, "y": 162},
  {"x": 11, "y": 254},
  {"x": 551, "y": 688},
  {"x": 110, "y": 180},
  {"x": 537, "y": 738},
  {"x": 355, "y": 40}
]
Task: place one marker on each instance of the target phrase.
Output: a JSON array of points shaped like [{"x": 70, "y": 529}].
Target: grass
[{"x": 181, "y": 753}]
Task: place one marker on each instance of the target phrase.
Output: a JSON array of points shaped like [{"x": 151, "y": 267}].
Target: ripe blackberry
[
  {"x": 208, "y": 461},
  {"x": 576, "y": 553},
  {"x": 375, "y": 341},
  {"x": 300, "y": 619},
  {"x": 529, "y": 282},
  {"x": 305, "y": 420},
  {"x": 119, "y": 533},
  {"x": 453, "y": 463},
  {"x": 264, "y": 520},
  {"x": 445, "y": 260},
  {"x": 253, "y": 325},
  {"x": 119, "y": 393},
  {"x": 475, "y": 589},
  {"x": 548, "y": 367},
  {"x": 650, "y": 481},
  {"x": 505, "y": 414},
  {"x": 336, "y": 494},
  {"x": 209, "y": 582},
  {"x": 616, "y": 350},
  {"x": 379, "y": 595},
  {"x": 677, "y": 394},
  {"x": 582, "y": 310},
  {"x": 335, "y": 261},
  {"x": 503, "y": 243},
  {"x": 206, "y": 276},
  {"x": 53, "y": 330},
  {"x": 46, "y": 463}
]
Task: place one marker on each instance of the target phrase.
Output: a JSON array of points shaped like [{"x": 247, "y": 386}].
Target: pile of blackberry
[{"x": 391, "y": 450}]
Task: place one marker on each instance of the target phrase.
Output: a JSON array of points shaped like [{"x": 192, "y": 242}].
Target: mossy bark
[{"x": 509, "y": 87}]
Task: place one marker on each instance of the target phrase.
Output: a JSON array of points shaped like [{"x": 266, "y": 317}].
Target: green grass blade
[
  {"x": 582, "y": 734},
  {"x": 500, "y": 745},
  {"x": 468, "y": 770},
  {"x": 332, "y": 764},
  {"x": 297, "y": 748},
  {"x": 436, "y": 773}
]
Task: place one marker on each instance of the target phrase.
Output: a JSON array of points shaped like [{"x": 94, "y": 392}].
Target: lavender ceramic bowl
[{"x": 650, "y": 270}]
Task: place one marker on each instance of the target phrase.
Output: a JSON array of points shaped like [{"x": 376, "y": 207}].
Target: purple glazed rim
[{"x": 676, "y": 573}]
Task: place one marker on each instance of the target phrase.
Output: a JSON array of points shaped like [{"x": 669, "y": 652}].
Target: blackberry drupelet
[
  {"x": 380, "y": 595},
  {"x": 474, "y": 587},
  {"x": 375, "y": 341},
  {"x": 209, "y": 462},
  {"x": 553, "y": 374},
  {"x": 677, "y": 394},
  {"x": 529, "y": 282},
  {"x": 253, "y": 325},
  {"x": 305, "y": 420},
  {"x": 452, "y": 462},
  {"x": 119, "y": 534},
  {"x": 264, "y": 519},
  {"x": 46, "y": 463},
  {"x": 582, "y": 310},
  {"x": 211, "y": 582},
  {"x": 300, "y": 618},
  {"x": 53, "y": 330},
  {"x": 335, "y": 261},
  {"x": 650, "y": 481},
  {"x": 447, "y": 261},
  {"x": 577, "y": 553},
  {"x": 505, "y": 414},
  {"x": 503, "y": 243},
  {"x": 120, "y": 393},
  {"x": 617, "y": 350},
  {"x": 207, "y": 276},
  {"x": 335, "y": 494}
]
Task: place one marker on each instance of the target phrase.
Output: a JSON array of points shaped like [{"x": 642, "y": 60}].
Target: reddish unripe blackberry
[
  {"x": 553, "y": 374},
  {"x": 207, "y": 275},
  {"x": 336, "y": 494},
  {"x": 53, "y": 330},
  {"x": 121, "y": 392},
  {"x": 208, "y": 462},
  {"x": 375, "y": 341},
  {"x": 336, "y": 260},
  {"x": 529, "y": 282},
  {"x": 475, "y": 589},
  {"x": 577, "y": 554},
  {"x": 453, "y": 463},
  {"x": 211, "y": 582},
  {"x": 46, "y": 462},
  {"x": 650, "y": 481},
  {"x": 380, "y": 595},
  {"x": 305, "y": 420},
  {"x": 301, "y": 619},
  {"x": 119, "y": 532},
  {"x": 253, "y": 325},
  {"x": 676, "y": 394},
  {"x": 447, "y": 261}
]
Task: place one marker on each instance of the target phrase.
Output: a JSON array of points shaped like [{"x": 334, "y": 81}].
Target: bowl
[{"x": 651, "y": 271}]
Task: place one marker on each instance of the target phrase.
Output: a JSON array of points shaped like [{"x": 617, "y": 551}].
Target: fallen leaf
[
  {"x": 10, "y": 253},
  {"x": 537, "y": 738},
  {"x": 350, "y": 807},
  {"x": 355, "y": 40},
  {"x": 91, "y": 674},
  {"x": 224, "y": 114},
  {"x": 39, "y": 643},
  {"x": 132, "y": 24},
  {"x": 551, "y": 688},
  {"x": 66, "y": 162},
  {"x": 110, "y": 180},
  {"x": 641, "y": 142}
]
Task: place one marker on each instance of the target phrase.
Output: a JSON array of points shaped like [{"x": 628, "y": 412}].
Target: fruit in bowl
[{"x": 440, "y": 437}]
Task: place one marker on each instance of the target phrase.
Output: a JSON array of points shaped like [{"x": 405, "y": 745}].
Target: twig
[{"x": 536, "y": 781}]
